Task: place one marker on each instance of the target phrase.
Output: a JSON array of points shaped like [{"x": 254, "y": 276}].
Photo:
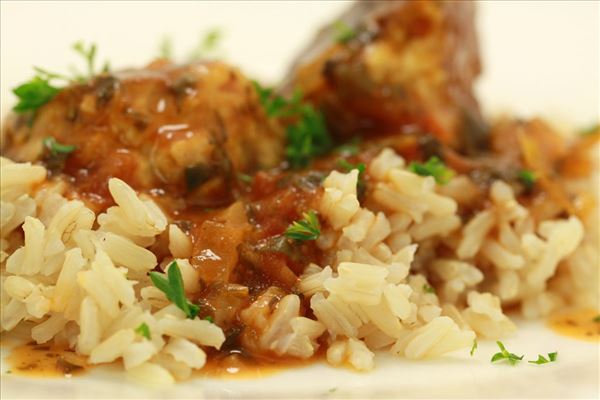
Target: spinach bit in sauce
[
  {"x": 143, "y": 330},
  {"x": 172, "y": 287},
  {"x": 41, "y": 88},
  {"x": 513, "y": 359},
  {"x": 307, "y": 135},
  {"x": 543, "y": 360},
  {"x": 308, "y": 228},
  {"x": 528, "y": 178},
  {"x": 343, "y": 33},
  {"x": 57, "y": 149},
  {"x": 597, "y": 318},
  {"x": 433, "y": 167}
]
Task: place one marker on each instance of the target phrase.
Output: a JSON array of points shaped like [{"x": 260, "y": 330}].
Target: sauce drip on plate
[
  {"x": 45, "y": 360},
  {"x": 578, "y": 324}
]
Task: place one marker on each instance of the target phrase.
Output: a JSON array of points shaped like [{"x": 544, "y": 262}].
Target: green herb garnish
[
  {"x": 40, "y": 89},
  {"x": 307, "y": 135},
  {"x": 543, "y": 360},
  {"x": 172, "y": 287},
  {"x": 505, "y": 355},
  {"x": 165, "y": 48},
  {"x": 245, "y": 177},
  {"x": 596, "y": 318},
  {"x": 348, "y": 166},
  {"x": 528, "y": 178},
  {"x": 208, "y": 45},
  {"x": 277, "y": 106},
  {"x": 433, "y": 167},
  {"x": 56, "y": 148},
  {"x": 473, "y": 348},
  {"x": 308, "y": 228},
  {"x": 428, "y": 288},
  {"x": 590, "y": 130},
  {"x": 35, "y": 93},
  {"x": 143, "y": 330},
  {"x": 343, "y": 33},
  {"x": 89, "y": 55},
  {"x": 209, "y": 319}
]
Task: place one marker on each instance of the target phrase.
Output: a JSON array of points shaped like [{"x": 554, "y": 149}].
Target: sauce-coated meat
[
  {"x": 186, "y": 130},
  {"x": 408, "y": 64}
]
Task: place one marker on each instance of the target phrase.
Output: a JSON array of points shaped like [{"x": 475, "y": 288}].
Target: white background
[{"x": 540, "y": 57}]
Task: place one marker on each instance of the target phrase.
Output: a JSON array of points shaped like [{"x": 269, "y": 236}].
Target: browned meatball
[
  {"x": 409, "y": 66},
  {"x": 186, "y": 130}
]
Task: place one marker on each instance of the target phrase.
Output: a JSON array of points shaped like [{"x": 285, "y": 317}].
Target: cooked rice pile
[{"x": 89, "y": 287}]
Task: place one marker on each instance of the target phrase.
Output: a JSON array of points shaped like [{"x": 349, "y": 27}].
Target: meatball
[{"x": 180, "y": 130}]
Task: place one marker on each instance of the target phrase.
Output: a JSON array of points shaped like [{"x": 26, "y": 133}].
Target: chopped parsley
[
  {"x": 307, "y": 135},
  {"x": 343, "y": 33},
  {"x": 597, "y": 318},
  {"x": 209, "y": 319},
  {"x": 528, "y": 178},
  {"x": 543, "y": 360},
  {"x": 172, "y": 287},
  {"x": 433, "y": 167},
  {"x": 34, "y": 93},
  {"x": 40, "y": 89},
  {"x": 143, "y": 330},
  {"x": 428, "y": 288},
  {"x": 56, "y": 148},
  {"x": 505, "y": 355},
  {"x": 308, "y": 228},
  {"x": 473, "y": 348}
]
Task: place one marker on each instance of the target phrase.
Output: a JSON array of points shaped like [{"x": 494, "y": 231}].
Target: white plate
[
  {"x": 540, "y": 58},
  {"x": 459, "y": 375}
]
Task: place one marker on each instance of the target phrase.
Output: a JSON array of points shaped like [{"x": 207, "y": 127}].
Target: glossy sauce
[
  {"x": 54, "y": 361},
  {"x": 237, "y": 366},
  {"x": 577, "y": 324},
  {"x": 45, "y": 360}
]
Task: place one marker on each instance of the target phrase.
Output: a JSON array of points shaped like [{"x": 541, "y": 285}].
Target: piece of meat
[
  {"x": 185, "y": 130},
  {"x": 410, "y": 65}
]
